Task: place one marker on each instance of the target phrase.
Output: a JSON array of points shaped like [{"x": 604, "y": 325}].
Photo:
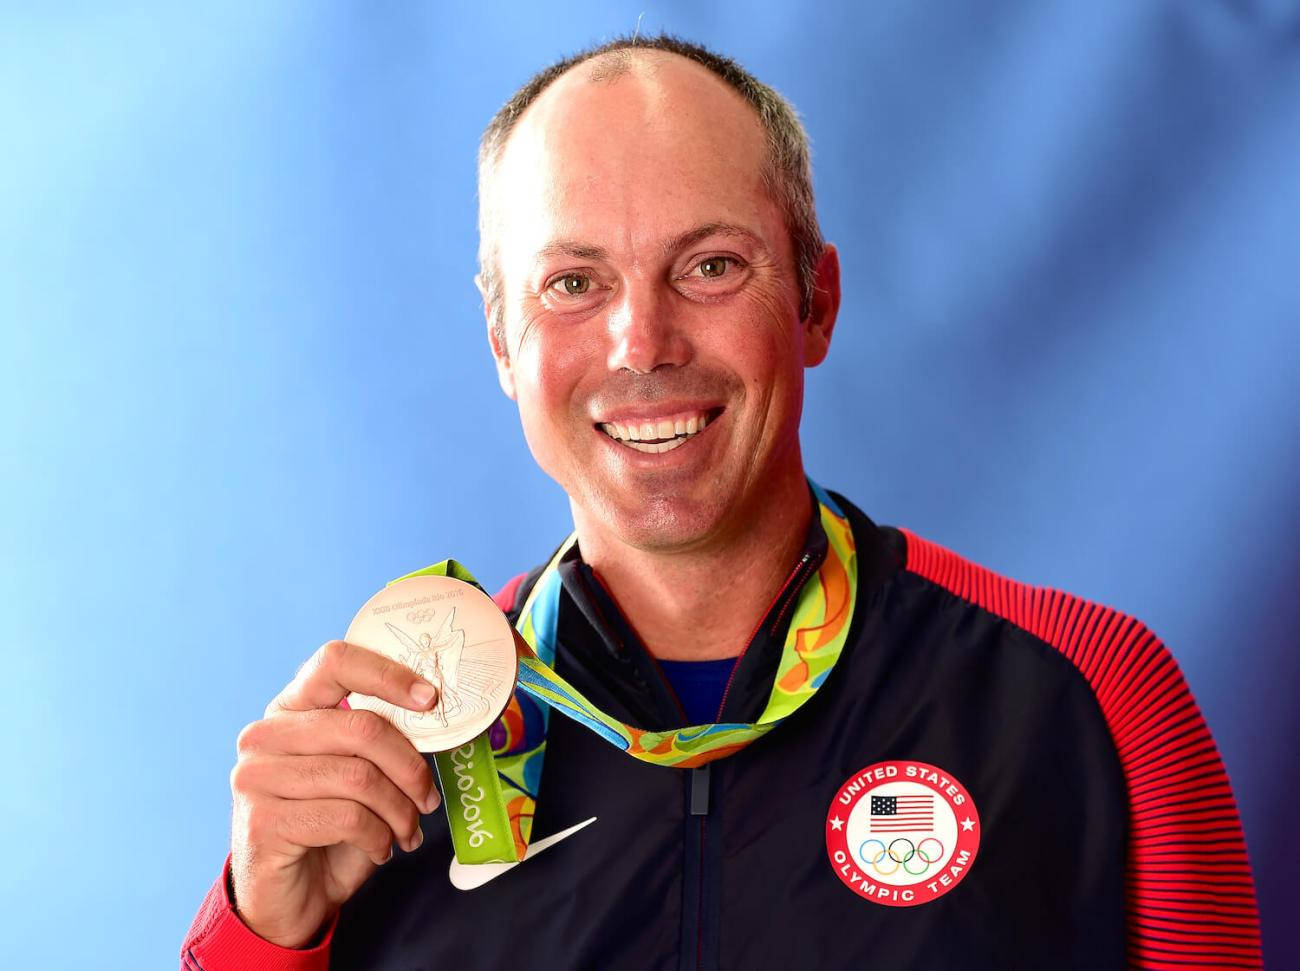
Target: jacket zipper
[
  {"x": 698, "y": 949},
  {"x": 701, "y": 861}
]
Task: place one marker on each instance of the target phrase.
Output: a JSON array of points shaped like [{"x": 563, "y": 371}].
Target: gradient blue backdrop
[{"x": 245, "y": 379}]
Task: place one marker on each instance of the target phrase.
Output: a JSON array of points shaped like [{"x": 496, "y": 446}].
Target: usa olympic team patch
[{"x": 902, "y": 833}]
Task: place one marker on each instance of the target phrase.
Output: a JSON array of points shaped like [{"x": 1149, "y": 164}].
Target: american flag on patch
[{"x": 899, "y": 814}]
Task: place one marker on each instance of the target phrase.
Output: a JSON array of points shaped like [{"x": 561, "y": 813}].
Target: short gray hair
[{"x": 787, "y": 173}]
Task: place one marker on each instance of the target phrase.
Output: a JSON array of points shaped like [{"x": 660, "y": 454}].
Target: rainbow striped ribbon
[{"x": 490, "y": 785}]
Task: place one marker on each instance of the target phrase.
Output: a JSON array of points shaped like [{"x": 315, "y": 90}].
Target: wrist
[{"x": 295, "y": 942}]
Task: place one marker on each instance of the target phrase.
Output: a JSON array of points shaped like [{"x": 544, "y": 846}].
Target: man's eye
[
  {"x": 572, "y": 284},
  {"x": 714, "y": 266}
]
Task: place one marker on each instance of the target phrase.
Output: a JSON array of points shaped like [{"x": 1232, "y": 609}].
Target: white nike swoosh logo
[{"x": 471, "y": 877}]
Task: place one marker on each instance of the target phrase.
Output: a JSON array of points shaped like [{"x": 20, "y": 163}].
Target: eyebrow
[
  {"x": 587, "y": 251},
  {"x": 571, "y": 247},
  {"x": 691, "y": 236}
]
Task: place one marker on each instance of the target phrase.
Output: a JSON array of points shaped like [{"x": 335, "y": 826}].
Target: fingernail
[
  {"x": 416, "y": 840},
  {"x": 423, "y": 693},
  {"x": 432, "y": 800},
  {"x": 388, "y": 857}
]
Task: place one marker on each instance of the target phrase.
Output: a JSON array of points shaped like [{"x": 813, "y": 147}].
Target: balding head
[{"x": 659, "y": 68}]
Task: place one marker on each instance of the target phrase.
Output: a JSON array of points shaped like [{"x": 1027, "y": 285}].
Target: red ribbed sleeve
[
  {"x": 1190, "y": 896},
  {"x": 219, "y": 941}
]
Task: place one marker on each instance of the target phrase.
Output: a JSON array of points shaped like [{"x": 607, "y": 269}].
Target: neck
[{"x": 704, "y": 603}]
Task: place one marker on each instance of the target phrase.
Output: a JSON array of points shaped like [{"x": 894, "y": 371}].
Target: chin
[{"x": 660, "y": 523}]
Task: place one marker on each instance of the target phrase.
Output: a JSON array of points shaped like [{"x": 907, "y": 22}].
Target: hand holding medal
[
  {"x": 440, "y": 624},
  {"x": 321, "y": 793}
]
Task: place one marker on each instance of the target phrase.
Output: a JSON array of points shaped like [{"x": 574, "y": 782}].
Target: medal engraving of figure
[{"x": 451, "y": 634}]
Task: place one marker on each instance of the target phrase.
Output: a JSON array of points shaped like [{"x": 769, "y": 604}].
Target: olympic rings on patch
[
  {"x": 930, "y": 857},
  {"x": 924, "y": 864},
  {"x": 911, "y": 850},
  {"x": 902, "y": 852},
  {"x": 885, "y": 873},
  {"x": 875, "y": 857}
]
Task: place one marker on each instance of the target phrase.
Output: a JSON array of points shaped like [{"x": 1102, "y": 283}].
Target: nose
[{"x": 644, "y": 331}]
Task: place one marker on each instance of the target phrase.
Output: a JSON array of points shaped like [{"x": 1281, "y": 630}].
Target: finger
[
  {"x": 331, "y": 777},
  {"x": 335, "y": 731},
  {"x": 324, "y": 822},
  {"x": 338, "y": 668}
]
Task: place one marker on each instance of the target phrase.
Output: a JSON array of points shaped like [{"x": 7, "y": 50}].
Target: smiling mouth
[{"x": 659, "y": 434}]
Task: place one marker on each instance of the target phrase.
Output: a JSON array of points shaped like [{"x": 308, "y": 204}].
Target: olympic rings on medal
[
  {"x": 422, "y": 616},
  {"x": 902, "y": 852}
]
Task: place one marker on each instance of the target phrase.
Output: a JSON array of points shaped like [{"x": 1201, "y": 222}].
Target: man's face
[{"x": 651, "y": 309}]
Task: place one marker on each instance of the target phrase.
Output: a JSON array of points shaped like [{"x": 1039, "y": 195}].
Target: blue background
[{"x": 246, "y": 382}]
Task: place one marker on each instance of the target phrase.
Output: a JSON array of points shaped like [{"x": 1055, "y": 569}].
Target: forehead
[{"x": 626, "y": 157}]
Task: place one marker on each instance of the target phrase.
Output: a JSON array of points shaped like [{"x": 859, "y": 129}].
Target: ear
[
  {"x": 496, "y": 341},
  {"x": 820, "y": 321}
]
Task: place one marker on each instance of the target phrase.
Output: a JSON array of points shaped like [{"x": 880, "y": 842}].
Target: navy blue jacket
[{"x": 1108, "y": 833}]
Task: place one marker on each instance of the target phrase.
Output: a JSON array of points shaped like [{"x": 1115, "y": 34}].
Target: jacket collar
[{"x": 600, "y": 653}]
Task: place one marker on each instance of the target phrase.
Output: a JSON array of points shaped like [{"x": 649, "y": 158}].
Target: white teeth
[
  {"x": 656, "y": 447},
  {"x": 655, "y": 436}
]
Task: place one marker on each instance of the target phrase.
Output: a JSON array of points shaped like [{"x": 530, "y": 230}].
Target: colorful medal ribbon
[{"x": 491, "y": 783}]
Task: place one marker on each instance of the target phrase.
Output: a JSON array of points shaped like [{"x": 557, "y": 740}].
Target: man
[{"x": 925, "y": 765}]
